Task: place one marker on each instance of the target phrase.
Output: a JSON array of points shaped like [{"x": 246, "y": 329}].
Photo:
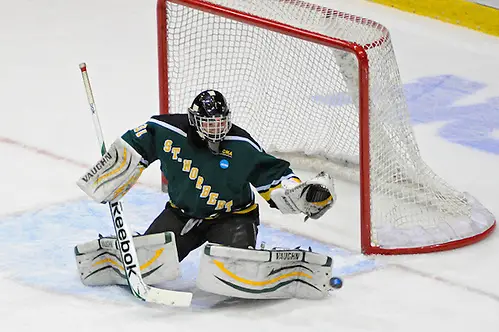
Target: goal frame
[{"x": 363, "y": 71}]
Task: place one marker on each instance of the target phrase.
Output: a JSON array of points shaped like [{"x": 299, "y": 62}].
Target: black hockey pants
[{"x": 234, "y": 230}]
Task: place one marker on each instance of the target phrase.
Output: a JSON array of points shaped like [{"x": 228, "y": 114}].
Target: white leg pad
[
  {"x": 99, "y": 261},
  {"x": 264, "y": 274}
]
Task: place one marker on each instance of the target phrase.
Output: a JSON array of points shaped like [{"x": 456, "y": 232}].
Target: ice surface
[{"x": 46, "y": 138}]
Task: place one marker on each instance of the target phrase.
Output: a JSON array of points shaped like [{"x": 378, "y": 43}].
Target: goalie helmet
[{"x": 209, "y": 114}]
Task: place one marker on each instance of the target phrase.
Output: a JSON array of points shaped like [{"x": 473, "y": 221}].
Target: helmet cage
[{"x": 211, "y": 128}]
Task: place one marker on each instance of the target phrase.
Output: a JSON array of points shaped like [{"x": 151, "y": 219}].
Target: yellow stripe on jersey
[
  {"x": 243, "y": 211},
  {"x": 266, "y": 193},
  {"x": 247, "y": 210}
]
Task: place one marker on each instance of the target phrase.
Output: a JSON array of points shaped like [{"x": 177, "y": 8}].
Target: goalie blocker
[{"x": 114, "y": 174}]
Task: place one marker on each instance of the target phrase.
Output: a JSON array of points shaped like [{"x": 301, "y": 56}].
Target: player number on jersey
[{"x": 140, "y": 130}]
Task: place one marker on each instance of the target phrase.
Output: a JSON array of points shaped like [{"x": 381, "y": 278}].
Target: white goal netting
[{"x": 300, "y": 98}]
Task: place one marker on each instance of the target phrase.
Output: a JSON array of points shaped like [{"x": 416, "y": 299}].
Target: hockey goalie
[{"x": 209, "y": 163}]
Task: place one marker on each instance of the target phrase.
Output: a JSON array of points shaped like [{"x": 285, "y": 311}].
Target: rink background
[
  {"x": 47, "y": 137},
  {"x": 480, "y": 15}
]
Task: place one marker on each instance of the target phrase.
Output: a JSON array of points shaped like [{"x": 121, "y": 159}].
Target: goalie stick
[{"x": 124, "y": 236}]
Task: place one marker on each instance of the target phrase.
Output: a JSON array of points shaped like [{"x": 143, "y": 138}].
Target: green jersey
[{"x": 203, "y": 184}]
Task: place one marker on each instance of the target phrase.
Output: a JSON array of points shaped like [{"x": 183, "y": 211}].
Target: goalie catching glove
[
  {"x": 114, "y": 174},
  {"x": 313, "y": 197}
]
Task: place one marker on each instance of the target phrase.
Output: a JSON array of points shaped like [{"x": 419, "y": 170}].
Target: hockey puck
[{"x": 336, "y": 282}]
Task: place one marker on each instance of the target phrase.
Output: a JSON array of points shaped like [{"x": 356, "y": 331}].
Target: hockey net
[{"x": 322, "y": 88}]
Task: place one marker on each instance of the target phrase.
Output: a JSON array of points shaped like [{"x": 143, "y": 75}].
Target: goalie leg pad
[
  {"x": 114, "y": 174},
  {"x": 99, "y": 261},
  {"x": 264, "y": 274}
]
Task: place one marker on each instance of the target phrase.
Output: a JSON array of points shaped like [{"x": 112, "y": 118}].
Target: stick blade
[{"x": 168, "y": 297}]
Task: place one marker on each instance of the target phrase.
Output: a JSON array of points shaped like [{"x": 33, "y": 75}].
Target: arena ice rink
[{"x": 47, "y": 140}]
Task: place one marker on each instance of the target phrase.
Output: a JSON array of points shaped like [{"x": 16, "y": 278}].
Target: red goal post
[{"x": 368, "y": 101}]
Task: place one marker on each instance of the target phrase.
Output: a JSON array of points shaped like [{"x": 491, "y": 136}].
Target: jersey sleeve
[
  {"x": 142, "y": 139},
  {"x": 268, "y": 173}
]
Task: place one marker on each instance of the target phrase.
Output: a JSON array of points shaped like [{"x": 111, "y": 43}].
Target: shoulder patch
[{"x": 226, "y": 153}]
